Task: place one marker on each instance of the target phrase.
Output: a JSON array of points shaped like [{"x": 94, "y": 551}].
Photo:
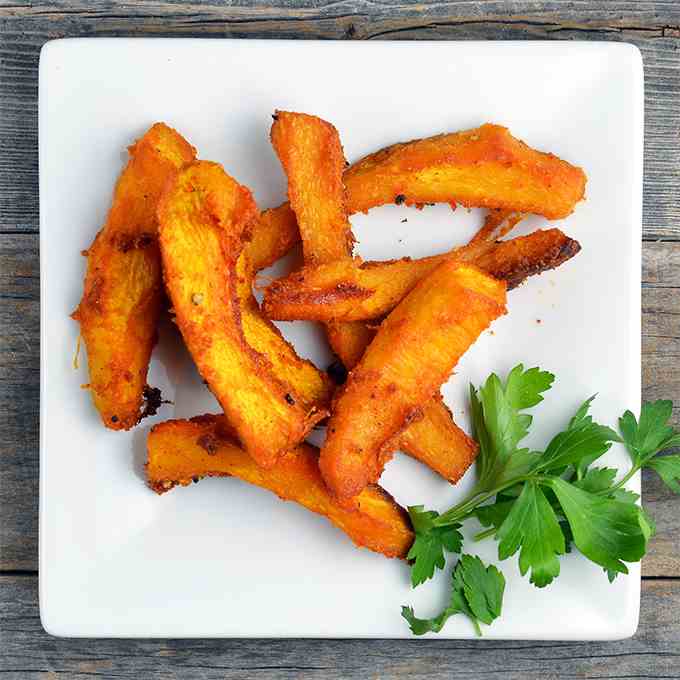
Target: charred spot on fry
[
  {"x": 289, "y": 399},
  {"x": 399, "y": 199},
  {"x": 153, "y": 400},
  {"x": 337, "y": 372},
  {"x": 127, "y": 242}
]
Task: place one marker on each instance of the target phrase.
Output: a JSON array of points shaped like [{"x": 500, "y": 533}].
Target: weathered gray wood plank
[
  {"x": 661, "y": 379},
  {"x": 27, "y": 653},
  {"x": 653, "y": 26},
  {"x": 19, "y": 375},
  {"x": 19, "y": 400}
]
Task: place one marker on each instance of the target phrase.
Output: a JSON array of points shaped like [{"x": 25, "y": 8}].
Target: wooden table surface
[{"x": 25, "y": 650}]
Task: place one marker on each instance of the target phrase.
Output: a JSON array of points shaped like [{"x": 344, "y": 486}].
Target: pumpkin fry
[
  {"x": 123, "y": 289},
  {"x": 434, "y": 439},
  {"x": 413, "y": 353},
  {"x": 182, "y": 451},
  {"x": 355, "y": 290},
  {"x": 311, "y": 155},
  {"x": 204, "y": 216},
  {"x": 483, "y": 168}
]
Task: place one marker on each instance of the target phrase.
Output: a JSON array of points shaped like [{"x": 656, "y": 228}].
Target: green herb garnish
[{"x": 541, "y": 503}]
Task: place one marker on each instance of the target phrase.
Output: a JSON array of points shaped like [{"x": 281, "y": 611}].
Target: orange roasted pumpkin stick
[
  {"x": 123, "y": 290},
  {"x": 182, "y": 451},
  {"x": 412, "y": 354},
  {"x": 354, "y": 290},
  {"x": 484, "y": 168},
  {"x": 204, "y": 218}
]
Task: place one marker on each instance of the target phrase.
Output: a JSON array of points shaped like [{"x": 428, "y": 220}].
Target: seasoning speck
[
  {"x": 114, "y": 419},
  {"x": 289, "y": 399},
  {"x": 399, "y": 199}
]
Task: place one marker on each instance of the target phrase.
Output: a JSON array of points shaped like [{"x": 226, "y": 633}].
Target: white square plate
[{"x": 222, "y": 558}]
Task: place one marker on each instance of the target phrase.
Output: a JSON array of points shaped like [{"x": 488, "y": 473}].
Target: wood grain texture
[
  {"x": 19, "y": 400},
  {"x": 28, "y": 654},
  {"x": 25, "y": 650},
  {"x": 653, "y": 26}
]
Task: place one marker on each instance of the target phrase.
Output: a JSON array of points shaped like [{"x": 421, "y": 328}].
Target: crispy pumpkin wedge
[
  {"x": 356, "y": 290},
  {"x": 182, "y": 451},
  {"x": 485, "y": 167},
  {"x": 349, "y": 339},
  {"x": 434, "y": 439},
  {"x": 311, "y": 154},
  {"x": 203, "y": 217},
  {"x": 412, "y": 354},
  {"x": 123, "y": 290}
]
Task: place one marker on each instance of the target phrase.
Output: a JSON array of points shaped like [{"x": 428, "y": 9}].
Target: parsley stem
[
  {"x": 459, "y": 512},
  {"x": 484, "y": 534},
  {"x": 623, "y": 479},
  {"x": 476, "y": 626}
]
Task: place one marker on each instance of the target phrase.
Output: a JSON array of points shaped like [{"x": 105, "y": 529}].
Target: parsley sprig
[{"x": 540, "y": 504}]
